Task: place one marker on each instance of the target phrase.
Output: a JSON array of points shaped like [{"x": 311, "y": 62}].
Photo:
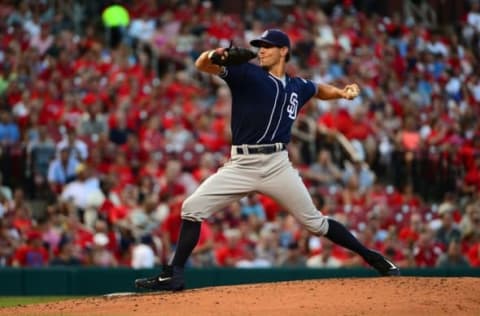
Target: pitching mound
[{"x": 369, "y": 296}]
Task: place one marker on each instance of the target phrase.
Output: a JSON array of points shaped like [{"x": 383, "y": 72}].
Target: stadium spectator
[
  {"x": 82, "y": 190},
  {"x": 100, "y": 255},
  {"x": 203, "y": 253},
  {"x": 323, "y": 171},
  {"x": 62, "y": 170},
  {"x": 453, "y": 257},
  {"x": 361, "y": 173},
  {"x": 293, "y": 257},
  {"x": 9, "y": 131},
  {"x": 66, "y": 255},
  {"x": 40, "y": 151},
  {"x": 474, "y": 253},
  {"x": 251, "y": 261},
  {"x": 470, "y": 222},
  {"x": 251, "y": 207},
  {"x": 32, "y": 253},
  {"x": 143, "y": 255},
  {"x": 233, "y": 251},
  {"x": 325, "y": 259},
  {"x": 426, "y": 251},
  {"x": 93, "y": 122},
  {"x": 5, "y": 191},
  {"x": 448, "y": 230},
  {"x": 76, "y": 147},
  {"x": 9, "y": 241}
]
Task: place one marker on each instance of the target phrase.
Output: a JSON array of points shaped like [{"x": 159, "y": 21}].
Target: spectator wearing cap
[{"x": 83, "y": 189}]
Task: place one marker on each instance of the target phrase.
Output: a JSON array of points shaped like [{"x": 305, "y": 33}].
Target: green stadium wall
[{"x": 98, "y": 281}]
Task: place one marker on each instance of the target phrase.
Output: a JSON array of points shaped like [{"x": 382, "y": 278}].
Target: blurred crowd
[{"x": 106, "y": 127}]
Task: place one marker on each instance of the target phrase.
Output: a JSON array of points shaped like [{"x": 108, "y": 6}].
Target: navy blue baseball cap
[{"x": 273, "y": 37}]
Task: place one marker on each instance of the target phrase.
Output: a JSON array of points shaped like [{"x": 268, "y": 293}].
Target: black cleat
[
  {"x": 384, "y": 266},
  {"x": 171, "y": 279}
]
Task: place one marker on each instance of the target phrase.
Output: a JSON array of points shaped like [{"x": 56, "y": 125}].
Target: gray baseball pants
[{"x": 269, "y": 174}]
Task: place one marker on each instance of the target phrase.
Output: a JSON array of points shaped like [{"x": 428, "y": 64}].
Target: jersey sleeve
[
  {"x": 307, "y": 90},
  {"x": 235, "y": 74}
]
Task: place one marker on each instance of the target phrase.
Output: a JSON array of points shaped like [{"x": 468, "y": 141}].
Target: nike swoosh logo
[
  {"x": 392, "y": 266},
  {"x": 160, "y": 279}
]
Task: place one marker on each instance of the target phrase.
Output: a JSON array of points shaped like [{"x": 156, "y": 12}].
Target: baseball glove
[{"x": 231, "y": 56}]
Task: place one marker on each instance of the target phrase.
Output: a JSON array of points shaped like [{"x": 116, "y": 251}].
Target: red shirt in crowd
[
  {"x": 31, "y": 256},
  {"x": 426, "y": 256},
  {"x": 171, "y": 224},
  {"x": 472, "y": 178},
  {"x": 474, "y": 255},
  {"x": 338, "y": 120},
  {"x": 227, "y": 255}
]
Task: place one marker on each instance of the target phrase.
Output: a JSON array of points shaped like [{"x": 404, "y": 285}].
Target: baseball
[{"x": 352, "y": 91}]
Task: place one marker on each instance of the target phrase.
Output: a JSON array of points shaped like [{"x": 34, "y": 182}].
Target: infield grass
[{"x": 6, "y": 301}]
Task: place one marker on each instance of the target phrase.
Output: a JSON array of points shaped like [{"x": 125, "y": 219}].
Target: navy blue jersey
[{"x": 263, "y": 109}]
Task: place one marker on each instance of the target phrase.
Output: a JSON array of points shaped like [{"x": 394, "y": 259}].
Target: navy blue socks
[
  {"x": 340, "y": 235},
  {"x": 189, "y": 234}
]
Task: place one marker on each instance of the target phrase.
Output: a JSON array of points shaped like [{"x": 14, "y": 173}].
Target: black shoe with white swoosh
[
  {"x": 171, "y": 279},
  {"x": 384, "y": 266}
]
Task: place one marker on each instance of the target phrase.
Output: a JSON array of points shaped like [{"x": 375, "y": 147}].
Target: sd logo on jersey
[{"x": 292, "y": 106}]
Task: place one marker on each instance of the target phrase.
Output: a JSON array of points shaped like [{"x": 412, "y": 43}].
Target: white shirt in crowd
[{"x": 143, "y": 257}]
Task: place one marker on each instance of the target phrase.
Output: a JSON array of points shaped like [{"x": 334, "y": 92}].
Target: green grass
[{"x": 6, "y": 301}]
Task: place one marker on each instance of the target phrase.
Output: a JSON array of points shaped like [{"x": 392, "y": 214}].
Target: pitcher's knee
[
  {"x": 190, "y": 211},
  {"x": 317, "y": 225}
]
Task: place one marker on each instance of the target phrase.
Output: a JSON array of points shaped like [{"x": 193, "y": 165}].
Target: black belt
[{"x": 262, "y": 149}]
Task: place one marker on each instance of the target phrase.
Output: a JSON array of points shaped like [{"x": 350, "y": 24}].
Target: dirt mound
[{"x": 368, "y": 296}]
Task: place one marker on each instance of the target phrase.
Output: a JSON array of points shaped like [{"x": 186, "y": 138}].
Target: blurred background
[{"x": 106, "y": 127}]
